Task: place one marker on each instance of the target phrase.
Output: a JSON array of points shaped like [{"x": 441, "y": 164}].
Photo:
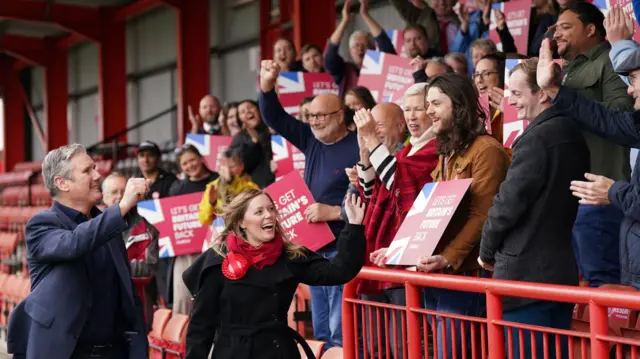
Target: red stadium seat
[
  {"x": 316, "y": 347},
  {"x": 333, "y": 353},
  {"x": 156, "y": 344},
  {"x": 174, "y": 336}
]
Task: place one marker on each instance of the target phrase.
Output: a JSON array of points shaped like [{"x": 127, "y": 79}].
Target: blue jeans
[
  {"x": 455, "y": 302},
  {"x": 392, "y": 296},
  {"x": 545, "y": 314},
  {"x": 596, "y": 244},
  {"x": 326, "y": 309}
]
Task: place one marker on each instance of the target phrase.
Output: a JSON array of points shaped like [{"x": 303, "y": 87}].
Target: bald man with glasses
[{"x": 329, "y": 147}]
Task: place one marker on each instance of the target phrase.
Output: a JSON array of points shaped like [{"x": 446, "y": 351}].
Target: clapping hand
[
  {"x": 496, "y": 98},
  {"x": 546, "y": 70},
  {"x": 355, "y": 209},
  {"x": 619, "y": 25},
  {"x": 418, "y": 63},
  {"x": 269, "y": 72},
  {"x": 366, "y": 127},
  {"x": 346, "y": 11},
  {"x": 352, "y": 173},
  {"x": 194, "y": 119}
]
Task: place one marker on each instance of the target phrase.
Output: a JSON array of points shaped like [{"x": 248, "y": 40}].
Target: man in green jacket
[{"x": 580, "y": 36}]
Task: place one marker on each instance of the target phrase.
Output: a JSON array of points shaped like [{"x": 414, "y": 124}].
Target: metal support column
[
  {"x": 193, "y": 59},
  {"x": 13, "y": 131},
  {"x": 112, "y": 82}
]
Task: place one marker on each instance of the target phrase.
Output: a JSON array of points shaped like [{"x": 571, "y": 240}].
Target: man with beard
[
  {"x": 328, "y": 147},
  {"x": 580, "y": 35},
  {"x": 465, "y": 151},
  {"x": 206, "y": 121},
  {"x": 527, "y": 236}
]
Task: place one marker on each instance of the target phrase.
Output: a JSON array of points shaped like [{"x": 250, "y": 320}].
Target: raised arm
[
  {"x": 47, "y": 242},
  {"x": 616, "y": 126},
  {"x": 272, "y": 112},
  {"x": 333, "y": 62},
  {"x": 317, "y": 270}
]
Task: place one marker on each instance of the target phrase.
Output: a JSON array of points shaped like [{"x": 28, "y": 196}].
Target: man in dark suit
[
  {"x": 82, "y": 303},
  {"x": 527, "y": 235}
]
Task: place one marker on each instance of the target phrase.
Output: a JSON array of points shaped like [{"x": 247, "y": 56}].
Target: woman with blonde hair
[{"x": 243, "y": 286}]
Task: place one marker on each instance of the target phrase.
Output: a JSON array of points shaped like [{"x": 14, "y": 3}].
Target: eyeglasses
[
  {"x": 321, "y": 116},
  {"x": 484, "y": 75}
]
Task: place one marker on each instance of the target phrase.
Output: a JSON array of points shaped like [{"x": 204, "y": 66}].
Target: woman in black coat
[
  {"x": 244, "y": 285},
  {"x": 255, "y": 142}
]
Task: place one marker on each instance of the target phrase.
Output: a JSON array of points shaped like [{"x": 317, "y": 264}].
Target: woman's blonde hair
[{"x": 233, "y": 214}]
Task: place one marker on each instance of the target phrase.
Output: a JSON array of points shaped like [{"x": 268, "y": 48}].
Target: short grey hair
[
  {"x": 110, "y": 176},
  {"x": 355, "y": 34},
  {"x": 57, "y": 163},
  {"x": 416, "y": 89}
]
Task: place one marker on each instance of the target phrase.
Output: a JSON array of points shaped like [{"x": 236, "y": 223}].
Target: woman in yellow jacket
[{"x": 232, "y": 181}]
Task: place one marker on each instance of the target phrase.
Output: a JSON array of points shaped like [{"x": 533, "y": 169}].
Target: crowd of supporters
[{"x": 520, "y": 220}]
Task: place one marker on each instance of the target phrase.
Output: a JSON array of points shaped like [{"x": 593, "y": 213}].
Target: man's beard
[{"x": 212, "y": 120}]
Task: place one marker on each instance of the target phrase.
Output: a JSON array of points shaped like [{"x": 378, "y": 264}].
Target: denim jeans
[
  {"x": 455, "y": 302},
  {"x": 326, "y": 310},
  {"x": 369, "y": 336},
  {"x": 596, "y": 244},
  {"x": 545, "y": 314}
]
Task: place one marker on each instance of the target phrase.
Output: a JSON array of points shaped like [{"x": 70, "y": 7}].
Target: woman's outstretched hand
[{"x": 355, "y": 209}]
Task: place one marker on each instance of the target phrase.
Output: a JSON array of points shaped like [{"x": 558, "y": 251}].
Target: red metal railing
[{"x": 595, "y": 342}]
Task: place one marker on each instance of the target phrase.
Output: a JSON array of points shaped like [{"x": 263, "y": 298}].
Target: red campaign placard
[
  {"x": 619, "y": 313},
  {"x": 215, "y": 229},
  {"x": 511, "y": 127},
  {"x": 212, "y": 148},
  {"x": 484, "y": 103},
  {"x": 295, "y": 86},
  {"x": 383, "y": 74},
  {"x": 517, "y": 13},
  {"x": 397, "y": 39},
  {"x": 292, "y": 198},
  {"x": 176, "y": 218},
  {"x": 397, "y": 97},
  {"x": 287, "y": 156},
  {"x": 427, "y": 220}
]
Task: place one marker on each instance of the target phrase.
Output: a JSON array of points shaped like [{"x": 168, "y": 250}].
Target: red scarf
[{"x": 265, "y": 255}]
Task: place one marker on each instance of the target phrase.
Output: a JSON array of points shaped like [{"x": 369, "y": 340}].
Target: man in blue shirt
[
  {"x": 329, "y": 148},
  {"x": 82, "y": 303}
]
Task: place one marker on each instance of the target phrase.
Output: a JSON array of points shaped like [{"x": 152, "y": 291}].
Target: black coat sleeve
[
  {"x": 619, "y": 127},
  {"x": 520, "y": 188},
  {"x": 317, "y": 270},
  {"x": 204, "y": 317}
]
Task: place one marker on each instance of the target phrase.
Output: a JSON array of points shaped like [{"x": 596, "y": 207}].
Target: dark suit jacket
[
  {"x": 48, "y": 323},
  {"x": 528, "y": 229}
]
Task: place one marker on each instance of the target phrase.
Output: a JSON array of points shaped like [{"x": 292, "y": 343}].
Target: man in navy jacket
[
  {"x": 622, "y": 128},
  {"x": 82, "y": 303}
]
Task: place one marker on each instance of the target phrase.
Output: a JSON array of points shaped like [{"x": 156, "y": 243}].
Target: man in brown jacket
[{"x": 466, "y": 151}]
